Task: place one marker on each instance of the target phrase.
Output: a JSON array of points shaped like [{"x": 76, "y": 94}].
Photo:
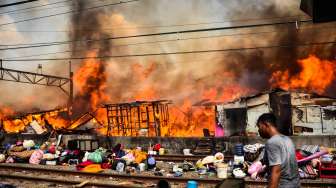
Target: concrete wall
[{"x": 176, "y": 145}]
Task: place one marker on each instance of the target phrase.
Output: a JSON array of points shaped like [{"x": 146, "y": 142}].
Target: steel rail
[
  {"x": 62, "y": 181},
  {"x": 304, "y": 182},
  {"x": 108, "y": 175}
]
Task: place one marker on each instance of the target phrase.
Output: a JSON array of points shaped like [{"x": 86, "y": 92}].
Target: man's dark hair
[
  {"x": 163, "y": 184},
  {"x": 267, "y": 118}
]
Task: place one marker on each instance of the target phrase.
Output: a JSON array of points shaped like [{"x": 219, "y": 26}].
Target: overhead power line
[
  {"x": 37, "y": 45},
  {"x": 17, "y": 3},
  {"x": 163, "y": 41},
  {"x": 68, "y": 12},
  {"x": 176, "y": 53},
  {"x": 32, "y": 7},
  {"x": 159, "y": 26}
]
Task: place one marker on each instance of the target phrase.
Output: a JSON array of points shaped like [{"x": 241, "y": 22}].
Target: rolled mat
[{"x": 315, "y": 155}]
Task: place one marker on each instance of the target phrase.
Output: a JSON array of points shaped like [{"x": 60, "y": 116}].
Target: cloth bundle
[
  {"x": 307, "y": 172},
  {"x": 139, "y": 156},
  {"x": 23, "y": 154},
  {"x": 94, "y": 168},
  {"x": 48, "y": 156},
  {"x": 17, "y": 149},
  {"x": 36, "y": 157},
  {"x": 89, "y": 166},
  {"x": 129, "y": 158}
]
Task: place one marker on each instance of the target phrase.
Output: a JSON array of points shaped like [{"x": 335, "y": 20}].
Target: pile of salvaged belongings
[
  {"x": 212, "y": 165},
  {"x": 118, "y": 159},
  {"x": 313, "y": 161},
  {"x": 249, "y": 161},
  {"x": 28, "y": 152},
  {"x": 48, "y": 153}
]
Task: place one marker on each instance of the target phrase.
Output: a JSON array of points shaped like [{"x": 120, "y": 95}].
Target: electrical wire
[
  {"x": 68, "y": 12},
  {"x": 157, "y": 26},
  {"x": 33, "y": 7},
  {"x": 163, "y": 41},
  {"x": 17, "y": 3},
  {"x": 175, "y": 53},
  {"x": 23, "y": 46}
]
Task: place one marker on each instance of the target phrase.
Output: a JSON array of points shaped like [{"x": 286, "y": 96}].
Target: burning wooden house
[
  {"x": 140, "y": 118},
  {"x": 35, "y": 122},
  {"x": 297, "y": 113}
]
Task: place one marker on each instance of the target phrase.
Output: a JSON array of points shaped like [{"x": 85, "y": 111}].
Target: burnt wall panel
[
  {"x": 280, "y": 103},
  {"x": 236, "y": 121}
]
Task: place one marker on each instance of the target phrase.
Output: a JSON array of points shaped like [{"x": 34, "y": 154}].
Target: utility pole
[{"x": 70, "y": 101}]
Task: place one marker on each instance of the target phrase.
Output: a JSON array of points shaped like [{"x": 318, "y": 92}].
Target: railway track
[{"x": 71, "y": 177}]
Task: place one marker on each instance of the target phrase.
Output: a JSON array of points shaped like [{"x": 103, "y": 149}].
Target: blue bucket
[
  {"x": 192, "y": 184},
  {"x": 239, "y": 149}
]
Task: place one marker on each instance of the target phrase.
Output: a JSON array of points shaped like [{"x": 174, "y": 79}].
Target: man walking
[{"x": 279, "y": 154}]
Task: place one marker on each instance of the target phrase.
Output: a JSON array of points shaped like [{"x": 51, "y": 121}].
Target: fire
[
  {"x": 13, "y": 126},
  {"x": 9, "y": 125},
  {"x": 316, "y": 75},
  {"x": 230, "y": 92},
  {"x": 57, "y": 122},
  {"x": 19, "y": 124},
  {"x": 100, "y": 115},
  {"x": 187, "y": 120},
  {"x": 189, "y": 114},
  {"x": 6, "y": 111},
  {"x": 90, "y": 82}
]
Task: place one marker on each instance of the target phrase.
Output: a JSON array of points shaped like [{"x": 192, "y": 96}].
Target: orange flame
[
  {"x": 19, "y": 124},
  {"x": 316, "y": 75},
  {"x": 185, "y": 119},
  {"x": 85, "y": 81}
]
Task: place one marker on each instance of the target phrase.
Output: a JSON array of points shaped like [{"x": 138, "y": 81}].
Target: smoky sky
[{"x": 194, "y": 76}]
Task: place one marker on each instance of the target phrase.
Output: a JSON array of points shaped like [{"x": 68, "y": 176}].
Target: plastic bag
[
  {"x": 28, "y": 144},
  {"x": 2, "y": 158},
  {"x": 85, "y": 158},
  {"x": 96, "y": 156}
]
